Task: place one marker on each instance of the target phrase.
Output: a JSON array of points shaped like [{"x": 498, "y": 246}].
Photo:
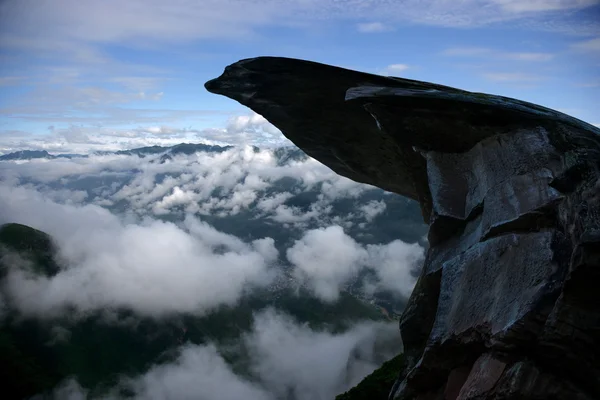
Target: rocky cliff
[{"x": 507, "y": 305}]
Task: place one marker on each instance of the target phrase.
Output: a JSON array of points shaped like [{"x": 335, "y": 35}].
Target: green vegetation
[
  {"x": 24, "y": 373},
  {"x": 26, "y": 365},
  {"x": 377, "y": 386},
  {"x": 31, "y": 244}
]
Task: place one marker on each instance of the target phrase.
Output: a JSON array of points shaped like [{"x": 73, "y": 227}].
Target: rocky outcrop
[{"x": 507, "y": 305}]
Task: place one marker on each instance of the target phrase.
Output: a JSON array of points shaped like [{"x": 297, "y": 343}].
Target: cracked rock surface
[{"x": 507, "y": 305}]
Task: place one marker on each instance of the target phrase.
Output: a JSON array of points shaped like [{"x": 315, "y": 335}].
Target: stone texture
[
  {"x": 484, "y": 375},
  {"x": 507, "y": 305}
]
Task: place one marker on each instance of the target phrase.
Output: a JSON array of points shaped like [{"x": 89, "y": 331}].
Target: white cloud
[
  {"x": 135, "y": 22},
  {"x": 519, "y": 6},
  {"x": 199, "y": 373},
  {"x": 491, "y": 53},
  {"x": 159, "y": 130},
  {"x": 43, "y": 170},
  {"x": 271, "y": 203},
  {"x": 287, "y": 360},
  {"x": 152, "y": 267},
  {"x": 296, "y": 195},
  {"x": 592, "y": 45},
  {"x": 11, "y": 80},
  {"x": 373, "y": 209},
  {"x": 394, "y": 264},
  {"x": 247, "y": 129},
  {"x": 251, "y": 122},
  {"x": 158, "y": 268},
  {"x": 529, "y": 56},
  {"x": 373, "y": 27},
  {"x": 72, "y": 77},
  {"x": 69, "y": 390},
  {"x": 240, "y": 174},
  {"x": 466, "y": 51},
  {"x": 137, "y": 83},
  {"x": 82, "y": 98},
  {"x": 217, "y": 185},
  {"x": 83, "y": 140},
  {"x": 326, "y": 259},
  {"x": 589, "y": 84},
  {"x": 512, "y": 77},
  {"x": 394, "y": 69},
  {"x": 292, "y": 361}
]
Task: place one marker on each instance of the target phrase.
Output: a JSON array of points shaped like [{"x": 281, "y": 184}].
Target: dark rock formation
[{"x": 507, "y": 305}]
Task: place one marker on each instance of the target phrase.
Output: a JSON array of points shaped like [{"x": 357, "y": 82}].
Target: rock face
[{"x": 507, "y": 305}]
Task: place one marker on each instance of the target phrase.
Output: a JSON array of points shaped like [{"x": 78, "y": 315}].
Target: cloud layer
[
  {"x": 177, "y": 232},
  {"x": 249, "y": 128},
  {"x": 393, "y": 264},
  {"x": 286, "y": 360},
  {"x": 185, "y": 230},
  {"x": 152, "y": 267}
]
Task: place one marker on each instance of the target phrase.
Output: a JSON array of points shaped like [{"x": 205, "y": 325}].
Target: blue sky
[{"x": 77, "y": 74}]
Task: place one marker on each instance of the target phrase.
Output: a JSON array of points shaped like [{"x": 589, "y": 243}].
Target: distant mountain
[
  {"x": 286, "y": 154},
  {"x": 70, "y": 156},
  {"x": 182, "y": 148},
  {"x": 26, "y": 155},
  {"x": 98, "y": 354},
  {"x": 35, "y": 154}
]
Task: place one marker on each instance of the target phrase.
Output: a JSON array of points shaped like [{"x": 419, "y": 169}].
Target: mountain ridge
[{"x": 180, "y": 148}]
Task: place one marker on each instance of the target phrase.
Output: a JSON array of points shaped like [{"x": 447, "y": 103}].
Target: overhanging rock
[{"x": 507, "y": 304}]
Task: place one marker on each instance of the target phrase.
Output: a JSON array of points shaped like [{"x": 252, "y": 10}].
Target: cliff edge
[{"x": 507, "y": 305}]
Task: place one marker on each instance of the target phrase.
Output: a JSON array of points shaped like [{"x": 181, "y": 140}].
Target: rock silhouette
[{"x": 507, "y": 305}]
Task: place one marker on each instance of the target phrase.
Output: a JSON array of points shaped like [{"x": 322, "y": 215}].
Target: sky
[
  {"x": 140, "y": 233},
  {"x": 77, "y": 75}
]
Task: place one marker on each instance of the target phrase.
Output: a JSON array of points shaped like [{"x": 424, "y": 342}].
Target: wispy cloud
[
  {"x": 135, "y": 21},
  {"x": 286, "y": 360},
  {"x": 181, "y": 272},
  {"x": 392, "y": 262},
  {"x": 592, "y": 45},
  {"x": 590, "y": 84},
  {"x": 162, "y": 269},
  {"x": 248, "y": 181},
  {"x": 75, "y": 74},
  {"x": 466, "y": 51},
  {"x": 495, "y": 54},
  {"x": 153, "y": 129},
  {"x": 11, "y": 80},
  {"x": 528, "y": 56},
  {"x": 397, "y": 67},
  {"x": 138, "y": 83},
  {"x": 394, "y": 69},
  {"x": 512, "y": 77},
  {"x": 520, "y": 6},
  {"x": 373, "y": 27}
]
